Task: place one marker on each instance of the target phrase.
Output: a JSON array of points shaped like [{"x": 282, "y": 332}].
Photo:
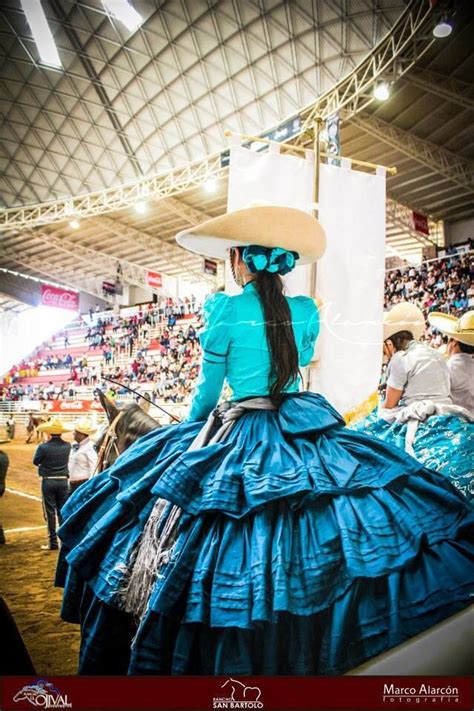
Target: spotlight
[
  {"x": 442, "y": 29},
  {"x": 210, "y": 186},
  {"x": 141, "y": 207},
  {"x": 75, "y": 224},
  {"x": 382, "y": 91}
]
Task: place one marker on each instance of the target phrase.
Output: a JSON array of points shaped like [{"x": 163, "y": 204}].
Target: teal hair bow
[{"x": 276, "y": 260}]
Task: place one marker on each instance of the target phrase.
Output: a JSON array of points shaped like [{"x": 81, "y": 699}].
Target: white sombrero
[
  {"x": 461, "y": 329},
  {"x": 263, "y": 225},
  {"x": 403, "y": 317},
  {"x": 84, "y": 426}
]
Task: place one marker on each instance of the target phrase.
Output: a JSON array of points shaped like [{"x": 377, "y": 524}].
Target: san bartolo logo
[
  {"x": 420, "y": 695},
  {"x": 238, "y": 696},
  {"x": 43, "y": 694}
]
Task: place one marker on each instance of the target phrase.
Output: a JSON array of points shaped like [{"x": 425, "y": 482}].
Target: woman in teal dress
[
  {"x": 261, "y": 536},
  {"x": 418, "y": 413}
]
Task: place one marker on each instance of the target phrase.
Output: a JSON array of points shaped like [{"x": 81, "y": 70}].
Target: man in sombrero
[
  {"x": 52, "y": 459},
  {"x": 460, "y": 332},
  {"x": 83, "y": 456}
]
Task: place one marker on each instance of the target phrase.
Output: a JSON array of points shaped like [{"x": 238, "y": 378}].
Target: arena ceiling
[{"x": 127, "y": 106}]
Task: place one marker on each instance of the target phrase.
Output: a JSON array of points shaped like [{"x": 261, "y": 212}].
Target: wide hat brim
[
  {"x": 449, "y": 325},
  {"x": 404, "y": 317},
  {"x": 84, "y": 428},
  {"x": 266, "y": 226},
  {"x": 53, "y": 428}
]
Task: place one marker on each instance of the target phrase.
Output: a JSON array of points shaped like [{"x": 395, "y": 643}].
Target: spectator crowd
[
  {"x": 123, "y": 343},
  {"x": 440, "y": 285}
]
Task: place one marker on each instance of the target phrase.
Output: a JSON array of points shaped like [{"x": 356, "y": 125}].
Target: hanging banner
[
  {"x": 59, "y": 298},
  {"x": 108, "y": 288},
  {"x": 154, "y": 280},
  {"x": 420, "y": 223},
  {"x": 210, "y": 267},
  {"x": 280, "y": 134},
  {"x": 349, "y": 277},
  {"x": 350, "y": 284},
  {"x": 333, "y": 144}
]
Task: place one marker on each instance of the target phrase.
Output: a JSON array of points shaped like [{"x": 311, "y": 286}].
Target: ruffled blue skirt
[
  {"x": 304, "y": 548},
  {"x": 444, "y": 443}
]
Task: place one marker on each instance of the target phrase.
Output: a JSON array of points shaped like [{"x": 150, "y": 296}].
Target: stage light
[
  {"x": 442, "y": 29},
  {"x": 210, "y": 186},
  {"x": 382, "y": 91},
  {"x": 75, "y": 224},
  {"x": 125, "y": 13},
  {"x": 141, "y": 207},
  {"x": 42, "y": 35}
]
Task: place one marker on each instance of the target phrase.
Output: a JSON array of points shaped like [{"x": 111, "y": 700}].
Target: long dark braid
[{"x": 278, "y": 331}]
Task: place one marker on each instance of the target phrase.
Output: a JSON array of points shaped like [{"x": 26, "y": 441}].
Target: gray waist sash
[
  {"x": 228, "y": 413},
  {"x": 156, "y": 543}
]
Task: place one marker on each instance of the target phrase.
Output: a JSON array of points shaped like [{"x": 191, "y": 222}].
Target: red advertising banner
[
  {"x": 59, "y": 298},
  {"x": 73, "y": 406},
  {"x": 205, "y": 693},
  {"x": 420, "y": 223},
  {"x": 154, "y": 280},
  {"x": 210, "y": 267}
]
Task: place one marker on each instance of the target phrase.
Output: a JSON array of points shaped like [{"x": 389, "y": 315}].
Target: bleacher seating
[{"x": 45, "y": 376}]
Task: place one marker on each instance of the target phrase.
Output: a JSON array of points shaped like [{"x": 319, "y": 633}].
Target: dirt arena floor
[{"x": 27, "y": 572}]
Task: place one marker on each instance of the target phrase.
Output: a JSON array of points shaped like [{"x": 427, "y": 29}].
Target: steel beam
[
  {"x": 442, "y": 86},
  {"x": 164, "y": 185},
  {"x": 89, "y": 285},
  {"x": 396, "y": 53},
  {"x": 188, "y": 213},
  {"x": 152, "y": 244},
  {"x": 400, "y": 217},
  {"x": 440, "y": 160}
]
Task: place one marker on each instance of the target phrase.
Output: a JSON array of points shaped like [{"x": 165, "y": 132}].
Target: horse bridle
[{"x": 109, "y": 443}]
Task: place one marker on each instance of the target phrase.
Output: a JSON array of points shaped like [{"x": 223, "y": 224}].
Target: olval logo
[
  {"x": 240, "y": 696},
  {"x": 43, "y": 695}
]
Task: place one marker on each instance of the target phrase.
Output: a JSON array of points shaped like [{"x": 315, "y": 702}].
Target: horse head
[{"x": 126, "y": 425}]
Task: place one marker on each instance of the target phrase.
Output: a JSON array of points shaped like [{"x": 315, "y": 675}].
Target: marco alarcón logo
[
  {"x": 236, "y": 695},
  {"x": 43, "y": 694}
]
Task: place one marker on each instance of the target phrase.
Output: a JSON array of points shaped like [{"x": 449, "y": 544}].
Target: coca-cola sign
[
  {"x": 72, "y": 406},
  {"x": 59, "y": 298},
  {"x": 154, "y": 280}
]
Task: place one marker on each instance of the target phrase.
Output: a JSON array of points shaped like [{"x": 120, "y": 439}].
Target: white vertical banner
[
  {"x": 278, "y": 180},
  {"x": 350, "y": 283},
  {"x": 350, "y": 275}
]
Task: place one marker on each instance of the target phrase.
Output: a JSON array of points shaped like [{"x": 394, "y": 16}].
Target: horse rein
[
  {"x": 143, "y": 397},
  {"x": 109, "y": 443}
]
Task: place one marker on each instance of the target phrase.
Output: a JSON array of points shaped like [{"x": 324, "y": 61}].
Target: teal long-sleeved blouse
[{"x": 235, "y": 347}]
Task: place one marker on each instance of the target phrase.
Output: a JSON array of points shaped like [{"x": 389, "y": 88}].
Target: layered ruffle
[{"x": 292, "y": 518}]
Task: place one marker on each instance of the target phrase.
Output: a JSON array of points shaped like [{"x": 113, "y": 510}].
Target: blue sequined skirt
[
  {"x": 304, "y": 548},
  {"x": 444, "y": 443}
]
